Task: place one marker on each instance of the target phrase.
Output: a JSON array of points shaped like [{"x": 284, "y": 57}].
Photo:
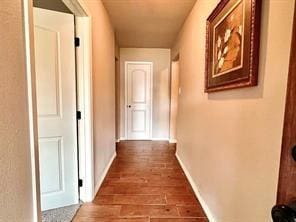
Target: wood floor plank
[
  {"x": 181, "y": 199},
  {"x": 99, "y": 211},
  {"x": 93, "y": 219},
  {"x": 152, "y": 211},
  {"x": 191, "y": 211},
  {"x": 135, "y": 189},
  {"x": 178, "y": 220},
  {"x": 130, "y": 199},
  {"x": 145, "y": 183},
  {"x": 139, "y": 189}
]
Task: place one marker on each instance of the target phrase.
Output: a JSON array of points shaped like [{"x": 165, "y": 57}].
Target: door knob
[
  {"x": 284, "y": 213},
  {"x": 129, "y": 106}
]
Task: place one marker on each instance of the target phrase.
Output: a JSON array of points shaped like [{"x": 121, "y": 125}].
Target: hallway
[{"x": 145, "y": 183}]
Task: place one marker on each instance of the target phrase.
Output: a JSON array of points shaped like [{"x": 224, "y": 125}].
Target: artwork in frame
[{"x": 232, "y": 45}]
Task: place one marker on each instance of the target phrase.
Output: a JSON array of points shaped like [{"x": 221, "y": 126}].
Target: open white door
[
  {"x": 56, "y": 107},
  {"x": 138, "y": 100}
]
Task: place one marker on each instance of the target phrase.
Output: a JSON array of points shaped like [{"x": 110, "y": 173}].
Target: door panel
[
  {"x": 139, "y": 100},
  {"x": 56, "y": 108},
  {"x": 138, "y": 84},
  {"x": 48, "y": 72},
  {"x": 138, "y": 120},
  {"x": 51, "y": 149}
]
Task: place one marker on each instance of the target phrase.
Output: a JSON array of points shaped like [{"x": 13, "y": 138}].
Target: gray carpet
[{"x": 64, "y": 214}]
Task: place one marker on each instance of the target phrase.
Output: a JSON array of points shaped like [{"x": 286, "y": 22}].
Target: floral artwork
[
  {"x": 228, "y": 42},
  {"x": 232, "y": 45}
]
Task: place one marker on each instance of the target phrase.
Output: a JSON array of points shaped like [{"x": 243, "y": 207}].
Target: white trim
[
  {"x": 172, "y": 141},
  {"x": 77, "y": 7},
  {"x": 126, "y": 97},
  {"x": 84, "y": 104},
  {"x": 197, "y": 193},
  {"x": 153, "y": 139},
  {"x": 32, "y": 107},
  {"x": 84, "y": 96},
  {"x": 160, "y": 139},
  {"x": 101, "y": 179}
]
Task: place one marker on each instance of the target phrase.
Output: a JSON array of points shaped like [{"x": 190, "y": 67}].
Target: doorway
[
  {"x": 60, "y": 92},
  {"x": 138, "y": 99}
]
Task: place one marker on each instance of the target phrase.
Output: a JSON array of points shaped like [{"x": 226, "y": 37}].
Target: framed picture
[{"x": 232, "y": 45}]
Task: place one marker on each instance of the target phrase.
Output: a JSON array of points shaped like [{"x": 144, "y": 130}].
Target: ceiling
[{"x": 147, "y": 23}]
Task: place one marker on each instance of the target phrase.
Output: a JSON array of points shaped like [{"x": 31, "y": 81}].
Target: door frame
[
  {"x": 126, "y": 97},
  {"x": 84, "y": 96},
  {"x": 285, "y": 184},
  {"x": 172, "y": 132},
  {"x": 83, "y": 19}
]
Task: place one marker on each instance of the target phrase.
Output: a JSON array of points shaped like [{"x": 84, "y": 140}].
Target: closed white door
[
  {"x": 139, "y": 100},
  {"x": 56, "y": 108}
]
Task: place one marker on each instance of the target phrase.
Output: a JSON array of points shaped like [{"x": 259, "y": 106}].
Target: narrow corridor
[{"x": 145, "y": 183}]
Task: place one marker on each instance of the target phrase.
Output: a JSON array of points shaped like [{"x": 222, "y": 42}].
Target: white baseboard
[
  {"x": 153, "y": 139},
  {"x": 197, "y": 193},
  {"x": 160, "y": 139},
  {"x": 98, "y": 185},
  {"x": 172, "y": 141}
]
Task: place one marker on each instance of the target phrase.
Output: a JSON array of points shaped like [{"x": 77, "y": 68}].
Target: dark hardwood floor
[{"x": 144, "y": 184}]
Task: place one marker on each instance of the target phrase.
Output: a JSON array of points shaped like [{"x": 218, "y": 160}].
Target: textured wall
[
  {"x": 16, "y": 203},
  {"x": 103, "y": 86},
  {"x": 230, "y": 141},
  {"x": 161, "y": 87}
]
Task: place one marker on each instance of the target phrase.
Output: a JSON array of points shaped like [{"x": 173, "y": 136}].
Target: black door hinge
[
  {"x": 77, "y": 42},
  {"x": 78, "y": 115},
  {"x": 80, "y": 182}
]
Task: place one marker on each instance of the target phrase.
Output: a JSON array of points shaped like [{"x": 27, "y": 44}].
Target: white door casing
[
  {"x": 56, "y": 108},
  {"x": 139, "y": 76}
]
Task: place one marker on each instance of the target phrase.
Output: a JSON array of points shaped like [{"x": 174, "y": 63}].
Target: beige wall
[
  {"x": 161, "y": 87},
  {"x": 230, "y": 141},
  {"x": 103, "y": 86},
  {"x": 16, "y": 196}
]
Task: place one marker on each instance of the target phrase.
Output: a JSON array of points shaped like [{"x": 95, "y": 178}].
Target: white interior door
[
  {"x": 56, "y": 107},
  {"x": 139, "y": 100}
]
